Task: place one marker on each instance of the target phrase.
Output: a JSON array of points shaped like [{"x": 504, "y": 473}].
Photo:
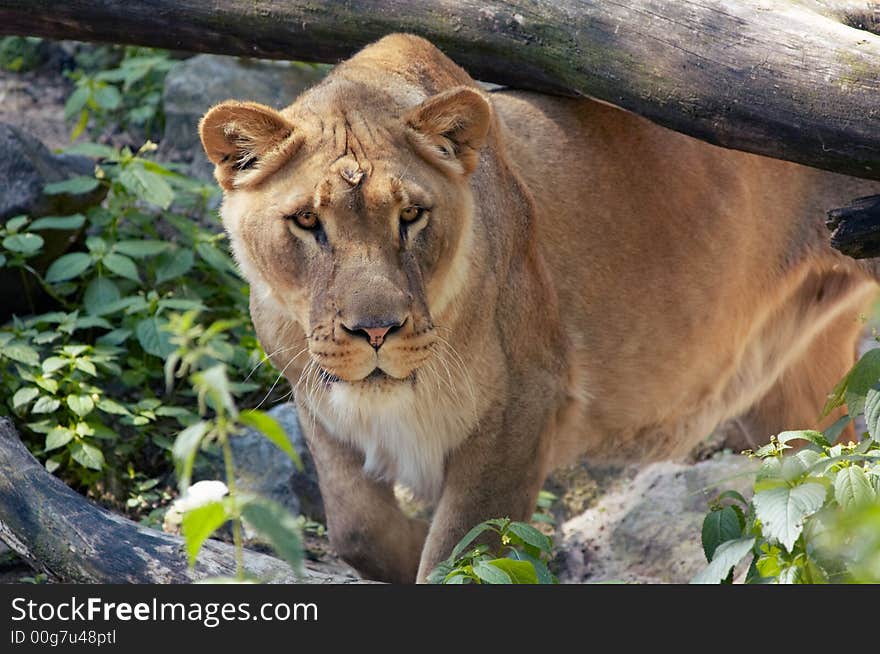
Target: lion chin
[{"x": 511, "y": 281}]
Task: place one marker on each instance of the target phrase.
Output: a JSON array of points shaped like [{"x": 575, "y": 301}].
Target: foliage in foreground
[
  {"x": 520, "y": 558},
  {"x": 815, "y": 514}
]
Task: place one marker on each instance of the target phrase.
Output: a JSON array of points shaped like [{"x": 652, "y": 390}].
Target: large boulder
[
  {"x": 647, "y": 528},
  {"x": 262, "y": 468},
  {"x": 25, "y": 168},
  {"x": 196, "y": 84}
]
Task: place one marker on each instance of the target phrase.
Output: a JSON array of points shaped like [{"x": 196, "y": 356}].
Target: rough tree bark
[
  {"x": 791, "y": 79},
  {"x": 73, "y": 540}
]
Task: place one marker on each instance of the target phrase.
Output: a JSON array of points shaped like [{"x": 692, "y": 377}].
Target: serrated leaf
[
  {"x": 278, "y": 526},
  {"x": 469, "y": 538},
  {"x": 107, "y": 405},
  {"x": 152, "y": 338},
  {"x": 81, "y": 405},
  {"x": 491, "y": 574},
  {"x": 45, "y": 405},
  {"x": 140, "y": 249},
  {"x": 26, "y": 243},
  {"x": 58, "y": 222},
  {"x": 68, "y": 266},
  {"x": 872, "y": 412},
  {"x": 541, "y": 570},
  {"x": 199, "y": 523},
  {"x": 24, "y": 395},
  {"x": 271, "y": 429},
  {"x": 719, "y": 527},
  {"x": 121, "y": 265},
  {"x": 58, "y": 437},
  {"x": 74, "y": 185},
  {"x": 782, "y": 510},
  {"x": 519, "y": 572},
  {"x": 852, "y": 488},
  {"x": 147, "y": 186},
  {"x": 52, "y": 364},
  {"x": 725, "y": 558},
  {"x": 530, "y": 535},
  {"x": 172, "y": 265},
  {"x": 99, "y": 293},
  {"x": 186, "y": 445},
  {"x": 87, "y": 456},
  {"x": 21, "y": 353}
]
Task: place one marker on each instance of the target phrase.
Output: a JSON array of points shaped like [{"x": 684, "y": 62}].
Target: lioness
[{"x": 468, "y": 289}]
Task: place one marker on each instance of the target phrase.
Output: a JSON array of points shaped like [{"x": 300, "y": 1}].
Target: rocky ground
[{"x": 626, "y": 524}]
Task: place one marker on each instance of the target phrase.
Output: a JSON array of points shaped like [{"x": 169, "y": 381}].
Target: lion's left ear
[
  {"x": 451, "y": 127},
  {"x": 246, "y": 141}
]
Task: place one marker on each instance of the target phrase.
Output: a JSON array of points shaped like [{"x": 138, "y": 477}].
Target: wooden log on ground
[
  {"x": 790, "y": 79},
  {"x": 856, "y": 228},
  {"x": 71, "y": 539}
]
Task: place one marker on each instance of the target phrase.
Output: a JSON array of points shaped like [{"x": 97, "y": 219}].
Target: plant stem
[{"x": 230, "y": 484}]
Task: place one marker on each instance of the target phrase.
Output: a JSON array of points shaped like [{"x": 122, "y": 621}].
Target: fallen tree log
[
  {"x": 856, "y": 228},
  {"x": 71, "y": 539},
  {"x": 790, "y": 79}
]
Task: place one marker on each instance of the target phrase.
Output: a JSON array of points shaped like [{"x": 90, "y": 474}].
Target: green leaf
[
  {"x": 74, "y": 185},
  {"x": 52, "y": 364},
  {"x": 530, "y": 535},
  {"x": 543, "y": 574},
  {"x": 872, "y": 412},
  {"x": 58, "y": 222},
  {"x": 719, "y": 527},
  {"x": 186, "y": 445},
  {"x": 24, "y": 395},
  {"x": 782, "y": 510},
  {"x": 81, "y": 405},
  {"x": 58, "y": 437},
  {"x": 25, "y": 243},
  {"x": 269, "y": 427},
  {"x": 115, "y": 337},
  {"x": 107, "y": 405},
  {"x": 216, "y": 259},
  {"x": 152, "y": 338},
  {"x": 278, "y": 526},
  {"x": 95, "y": 150},
  {"x": 469, "y": 538},
  {"x": 198, "y": 524},
  {"x": 213, "y": 383},
  {"x": 519, "y": 572},
  {"x": 491, "y": 574},
  {"x": 864, "y": 376},
  {"x": 76, "y": 102},
  {"x": 174, "y": 264},
  {"x": 835, "y": 430},
  {"x": 21, "y": 353},
  {"x": 852, "y": 488},
  {"x": 140, "y": 248},
  {"x": 725, "y": 558},
  {"x": 107, "y": 97},
  {"x": 147, "y": 186},
  {"x": 122, "y": 266},
  {"x": 87, "y": 456},
  {"x": 68, "y": 266},
  {"x": 16, "y": 223},
  {"x": 99, "y": 293},
  {"x": 46, "y": 404}
]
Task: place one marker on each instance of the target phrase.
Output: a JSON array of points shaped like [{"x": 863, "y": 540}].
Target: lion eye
[
  {"x": 306, "y": 219},
  {"x": 411, "y": 214}
]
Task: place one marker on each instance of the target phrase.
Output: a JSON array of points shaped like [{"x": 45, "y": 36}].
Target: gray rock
[
  {"x": 27, "y": 166},
  {"x": 263, "y": 469},
  {"x": 647, "y": 529},
  {"x": 198, "y": 83}
]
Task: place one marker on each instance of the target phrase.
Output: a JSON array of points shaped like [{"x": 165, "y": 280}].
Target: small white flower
[{"x": 199, "y": 494}]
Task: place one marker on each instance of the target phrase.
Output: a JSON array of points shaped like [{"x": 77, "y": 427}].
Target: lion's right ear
[{"x": 246, "y": 142}]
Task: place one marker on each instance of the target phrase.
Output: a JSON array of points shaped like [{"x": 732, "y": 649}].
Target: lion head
[{"x": 351, "y": 211}]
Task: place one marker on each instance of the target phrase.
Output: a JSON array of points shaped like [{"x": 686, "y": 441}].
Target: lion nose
[{"x": 374, "y": 332}]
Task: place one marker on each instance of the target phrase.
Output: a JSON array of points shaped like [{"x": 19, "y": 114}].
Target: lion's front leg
[
  {"x": 364, "y": 522},
  {"x": 497, "y": 473}
]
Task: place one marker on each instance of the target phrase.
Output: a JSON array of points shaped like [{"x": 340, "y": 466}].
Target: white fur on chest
[{"x": 405, "y": 433}]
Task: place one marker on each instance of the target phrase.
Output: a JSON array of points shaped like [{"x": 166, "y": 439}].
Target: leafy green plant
[
  {"x": 809, "y": 518},
  {"x": 127, "y": 95},
  {"x": 271, "y": 520},
  {"x": 91, "y": 384},
  {"x": 521, "y": 558}
]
